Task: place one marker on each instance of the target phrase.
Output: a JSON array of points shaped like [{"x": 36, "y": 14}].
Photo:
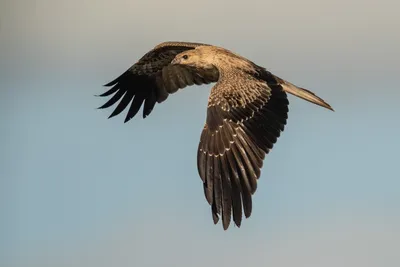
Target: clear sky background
[{"x": 77, "y": 189}]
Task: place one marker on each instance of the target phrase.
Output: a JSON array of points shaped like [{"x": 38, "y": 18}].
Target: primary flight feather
[{"x": 246, "y": 113}]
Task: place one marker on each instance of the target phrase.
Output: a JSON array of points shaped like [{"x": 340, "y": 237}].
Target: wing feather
[
  {"x": 126, "y": 99},
  {"x": 243, "y": 123},
  {"x": 153, "y": 78}
]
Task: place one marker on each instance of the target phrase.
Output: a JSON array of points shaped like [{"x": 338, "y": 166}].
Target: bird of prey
[{"x": 247, "y": 111}]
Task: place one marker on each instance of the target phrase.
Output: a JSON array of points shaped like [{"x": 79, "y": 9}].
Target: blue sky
[{"x": 78, "y": 189}]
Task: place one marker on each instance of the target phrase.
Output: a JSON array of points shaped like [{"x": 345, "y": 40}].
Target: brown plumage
[{"x": 247, "y": 111}]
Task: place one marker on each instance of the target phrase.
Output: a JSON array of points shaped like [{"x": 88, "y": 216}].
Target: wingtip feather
[
  {"x": 113, "y": 82},
  {"x": 127, "y": 118}
]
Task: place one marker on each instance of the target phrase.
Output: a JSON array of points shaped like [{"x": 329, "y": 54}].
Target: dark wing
[
  {"x": 244, "y": 121},
  {"x": 152, "y": 79}
]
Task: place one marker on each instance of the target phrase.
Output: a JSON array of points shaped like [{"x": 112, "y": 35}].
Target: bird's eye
[{"x": 185, "y": 56}]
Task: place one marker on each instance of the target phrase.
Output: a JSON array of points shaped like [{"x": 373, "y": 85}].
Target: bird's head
[{"x": 197, "y": 58}]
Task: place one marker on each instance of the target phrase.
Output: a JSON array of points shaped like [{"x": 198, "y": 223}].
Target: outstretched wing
[
  {"x": 152, "y": 79},
  {"x": 244, "y": 120}
]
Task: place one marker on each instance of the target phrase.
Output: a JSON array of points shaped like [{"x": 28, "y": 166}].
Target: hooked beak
[{"x": 175, "y": 61}]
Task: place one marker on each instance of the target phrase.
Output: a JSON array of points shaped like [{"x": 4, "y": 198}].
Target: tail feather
[{"x": 303, "y": 93}]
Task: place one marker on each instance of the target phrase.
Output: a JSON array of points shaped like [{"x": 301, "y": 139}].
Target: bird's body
[{"x": 246, "y": 113}]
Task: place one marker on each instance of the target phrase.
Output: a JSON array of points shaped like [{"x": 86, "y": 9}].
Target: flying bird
[{"x": 247, "y": 111}]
